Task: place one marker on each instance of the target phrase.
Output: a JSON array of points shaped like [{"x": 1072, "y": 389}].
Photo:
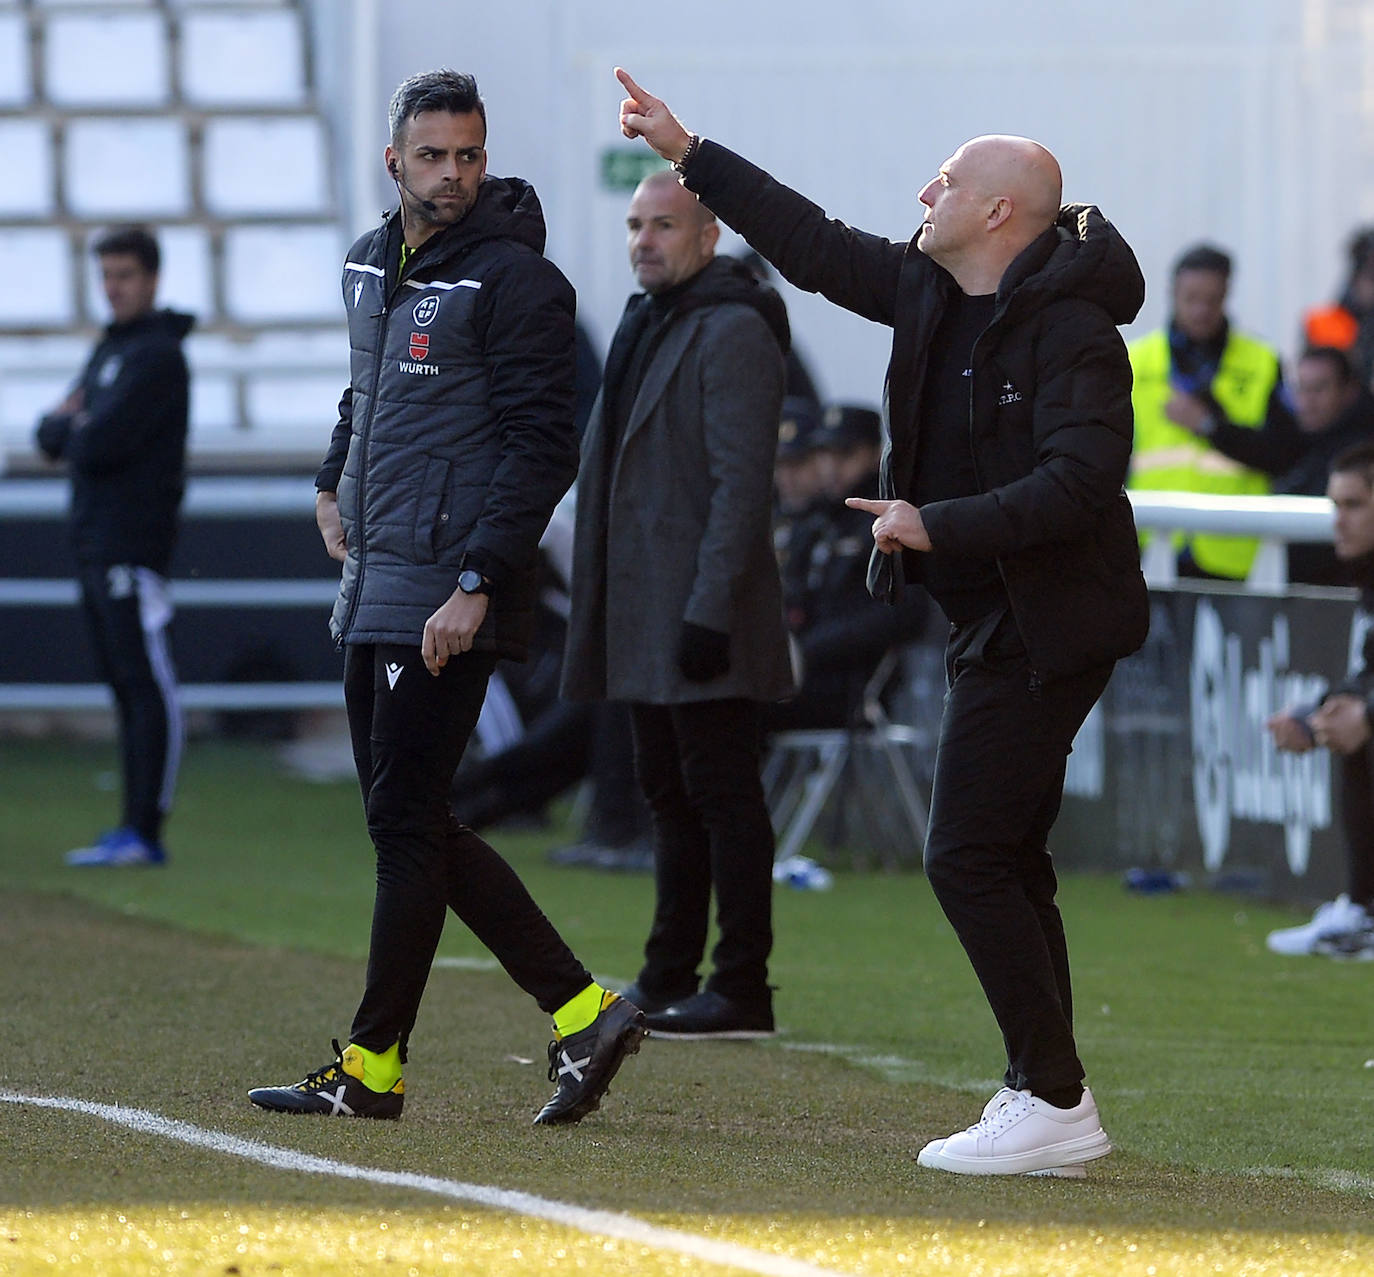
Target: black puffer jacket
[
  {"x": 126, "y": 448},
  {"x": 455, "y": 436},
  {"x": 1050, "y": 411}
]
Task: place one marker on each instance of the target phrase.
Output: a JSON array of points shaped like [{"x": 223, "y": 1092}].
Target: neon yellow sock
[
  {"x": 379, "y": 1071},
  {"x": 577, "y": 1013}
]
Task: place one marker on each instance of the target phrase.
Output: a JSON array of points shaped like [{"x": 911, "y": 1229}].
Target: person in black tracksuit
[
  {"x": 122, "y": 433},
  {"x": 1008, "y": 433},
  {"x": 454, "y": 443}
]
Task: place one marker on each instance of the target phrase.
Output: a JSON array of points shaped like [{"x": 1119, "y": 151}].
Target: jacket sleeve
[
  {"x": 851, "y": 268},
  {"x": 130, "y": 412},
  {"x": 1081, "y": 433},
  {"x": 331, "y": 469},
  {"x": 529, "y": 342},
  {"x": 741, "y": 399},
  {"x": 1273, "y": 448}
]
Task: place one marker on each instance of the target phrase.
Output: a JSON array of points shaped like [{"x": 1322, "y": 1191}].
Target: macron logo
[{"x": 393, "y": 672}]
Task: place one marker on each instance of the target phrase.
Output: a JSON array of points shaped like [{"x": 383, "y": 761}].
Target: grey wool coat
[{"x": 677, "y": 525}]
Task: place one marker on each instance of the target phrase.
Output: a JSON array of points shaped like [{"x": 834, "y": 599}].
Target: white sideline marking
[{"x": 605, "y": 1223}]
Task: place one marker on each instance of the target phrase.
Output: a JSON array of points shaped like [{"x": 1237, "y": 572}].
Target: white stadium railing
[{"x": 1275, "y": 520}]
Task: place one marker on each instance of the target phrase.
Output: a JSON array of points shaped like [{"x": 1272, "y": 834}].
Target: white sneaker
[
  {"x": 1019, "y": 1134},
  {"x": 1332, "y": 922}
]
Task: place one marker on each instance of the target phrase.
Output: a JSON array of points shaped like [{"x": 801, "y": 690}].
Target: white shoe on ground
[
  {"x": 1019, "y": 1134},
  {"x": 1332, "y": 923}
]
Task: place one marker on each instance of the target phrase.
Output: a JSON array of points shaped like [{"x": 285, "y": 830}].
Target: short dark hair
[
  {"x": 1204, "y": 257},
  {"x": 441, "y": 90},
  {"x": 136, "y": 241},
  {"x": 1336, "y": 357},
  {"x": 1356, "y": 459}
]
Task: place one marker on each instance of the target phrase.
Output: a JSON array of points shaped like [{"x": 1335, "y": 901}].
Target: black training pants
[
  {"x": 127, "y": 610},
  {"x": 1357, "y": 823},
  {"x": 698, "y": 765},
  {"x": 999, "y": 780},
  {"x": 409, "y": 731}
]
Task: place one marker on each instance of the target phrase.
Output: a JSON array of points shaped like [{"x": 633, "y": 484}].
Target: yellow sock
[
  {"x": 577, "y": 1013},
  {"x": 379, "y": 1071}
]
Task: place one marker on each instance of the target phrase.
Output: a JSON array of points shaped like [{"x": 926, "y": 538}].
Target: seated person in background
[
  {"x": 561, "y": 743},
  {"x": 1348, "y": 324},
  {"x": 1344, "y": 927},
  {"x": 1333, "y": 412},
  {"x": 841, "y": 632},
  {"x": 1191, "y": 377}
]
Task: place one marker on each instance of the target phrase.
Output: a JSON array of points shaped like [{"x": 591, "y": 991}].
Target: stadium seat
[
  {"x": 866, "y": 769},
  {"x": 27, "y": 190},
  {"x": 16, "y": 82},
  {"x": 242, "y": 56},
  {"x": 36, "y": 265},
  {"x": 283, "y": 273},
  {"x": 127, "y": 168},
  {"x": 274, "y": 165},
  {"x": 107, "y": 59}
]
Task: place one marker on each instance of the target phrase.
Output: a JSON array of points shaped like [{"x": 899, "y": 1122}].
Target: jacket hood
[
  {"x": 727, "y": 279},
  {"x": 175, "y": 323},
  {"x": 505, "y": 208},
  {"x": 1082, "y": 256}
]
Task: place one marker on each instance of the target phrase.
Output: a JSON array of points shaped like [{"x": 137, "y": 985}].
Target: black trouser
[
  {"x": 127, "y": 610},
  {"x": 1357, "y": 823},
  {"x": 698, "y": 765},
  {"x": 409, "y": 731},
  {"x": 999, "y": 780}
]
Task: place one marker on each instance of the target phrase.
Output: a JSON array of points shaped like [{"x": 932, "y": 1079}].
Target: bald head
[
  {"x": 992, "y": 197},
  {"x": 1022, "y": 171},
  {"x": 670, "y": 233}
]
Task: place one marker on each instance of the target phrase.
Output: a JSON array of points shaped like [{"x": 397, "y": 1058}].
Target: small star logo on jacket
[
  {"x": 393, "y": 672},
  {"x": 1010, "y": 394}
]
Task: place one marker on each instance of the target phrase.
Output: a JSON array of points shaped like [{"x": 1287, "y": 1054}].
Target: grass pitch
[{"x": 1232, "y": 1082}]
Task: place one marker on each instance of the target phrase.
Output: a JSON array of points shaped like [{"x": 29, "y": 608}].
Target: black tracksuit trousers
[
  {"x": 127, "y": 609},
  {"x": 999, "y": 780},
  {"x": 409, "y": 731}
]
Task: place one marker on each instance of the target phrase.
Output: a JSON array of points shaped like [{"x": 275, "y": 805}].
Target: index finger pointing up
[{"x": 631, "y": 87}]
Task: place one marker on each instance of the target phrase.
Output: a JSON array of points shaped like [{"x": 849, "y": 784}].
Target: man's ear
[{"x": 1001, "y": 210}]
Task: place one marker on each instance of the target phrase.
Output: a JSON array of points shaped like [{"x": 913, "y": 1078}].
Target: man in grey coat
[{"x": 677, "y": 607}]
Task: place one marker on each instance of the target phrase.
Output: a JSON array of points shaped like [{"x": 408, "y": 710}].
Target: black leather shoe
[
  {"x": 583, "y": 1063},
  {"x": 712, "y": 1015},
  {"x": 649, "y": 1003}
]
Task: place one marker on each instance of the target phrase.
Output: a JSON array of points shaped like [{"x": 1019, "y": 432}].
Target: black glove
[{"x": 702, "y": 654}]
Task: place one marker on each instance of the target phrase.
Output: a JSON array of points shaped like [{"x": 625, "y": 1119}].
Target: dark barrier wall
[{"x": 1174, "y": 768}]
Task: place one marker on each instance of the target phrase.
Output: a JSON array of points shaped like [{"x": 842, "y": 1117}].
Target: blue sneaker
[{"x": 118, "y": 847}]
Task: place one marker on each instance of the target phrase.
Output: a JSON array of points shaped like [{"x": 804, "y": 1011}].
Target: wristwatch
[{"x": 471, "y": 581}]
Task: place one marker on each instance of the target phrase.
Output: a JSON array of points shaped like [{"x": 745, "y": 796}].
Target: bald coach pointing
[{"x": 1007, "y": 436}]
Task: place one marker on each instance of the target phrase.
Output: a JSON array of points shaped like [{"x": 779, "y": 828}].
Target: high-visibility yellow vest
[{"x": 1169, "y": 458}]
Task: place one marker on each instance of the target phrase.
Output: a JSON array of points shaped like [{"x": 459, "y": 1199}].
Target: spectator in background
[
  {"x": 1333, "y": 412},
  {"x": 1192, "y": 379},
  {"x": 840, "y": 632},
  {"x": 797, "y": 478},
  {"x": 122, "y": 433},
  {"x": 1344, "y": 927},
  {"x": 1348, "y": 324},
  {"x": 676, "y": 604}
]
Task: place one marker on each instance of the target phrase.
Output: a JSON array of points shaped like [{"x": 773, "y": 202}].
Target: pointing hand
[{"x": 643, "y": 115}]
